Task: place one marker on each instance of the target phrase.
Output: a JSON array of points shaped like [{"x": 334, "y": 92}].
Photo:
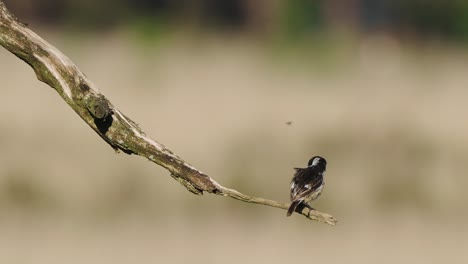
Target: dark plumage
[{"x": 307, "y": 183}]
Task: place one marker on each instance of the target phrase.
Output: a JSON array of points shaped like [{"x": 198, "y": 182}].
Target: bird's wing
[{"x": 302, "y": 185}]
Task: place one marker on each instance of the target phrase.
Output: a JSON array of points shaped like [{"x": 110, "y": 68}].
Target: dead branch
[{"x": 59, "y": 72}]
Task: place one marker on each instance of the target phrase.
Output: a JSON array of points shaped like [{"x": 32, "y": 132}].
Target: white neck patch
[{"x": 315, "y": 162}]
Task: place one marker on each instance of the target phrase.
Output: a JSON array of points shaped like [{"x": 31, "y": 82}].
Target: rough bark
[{"x": 59, "y": 72}]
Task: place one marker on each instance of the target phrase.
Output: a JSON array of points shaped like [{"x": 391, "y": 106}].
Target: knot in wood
[{"x": 98, "y": 106}]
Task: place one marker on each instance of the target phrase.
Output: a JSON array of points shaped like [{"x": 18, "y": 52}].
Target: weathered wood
[{"x": 59, "y": 72}]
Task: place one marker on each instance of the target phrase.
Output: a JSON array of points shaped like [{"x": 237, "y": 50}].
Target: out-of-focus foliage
[
  {"x": 302, "y": 17},
  {"x": 296, "y": 18},
  {"x": 442, "y": 18}
]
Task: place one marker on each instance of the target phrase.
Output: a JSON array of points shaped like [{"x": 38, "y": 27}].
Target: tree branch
[{"x": 59, "y": 72}]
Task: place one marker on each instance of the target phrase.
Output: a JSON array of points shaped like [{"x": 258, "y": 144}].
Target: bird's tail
[{"x": 293, "y": 207}]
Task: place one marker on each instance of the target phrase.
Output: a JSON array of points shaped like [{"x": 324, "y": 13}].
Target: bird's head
[{"x": 317, "y": 161}]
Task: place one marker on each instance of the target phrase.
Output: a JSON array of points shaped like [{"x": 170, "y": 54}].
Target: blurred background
[{"x": 245, "y": 90}]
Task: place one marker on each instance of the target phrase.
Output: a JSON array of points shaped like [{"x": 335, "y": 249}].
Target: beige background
[{"x": 389, "y": 118}]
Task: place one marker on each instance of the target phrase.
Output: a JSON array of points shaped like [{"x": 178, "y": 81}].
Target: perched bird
[{"x": 307, "y": 183}]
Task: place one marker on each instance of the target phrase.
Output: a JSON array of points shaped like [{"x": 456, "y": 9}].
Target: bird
[{"x": 307, "y": 183}]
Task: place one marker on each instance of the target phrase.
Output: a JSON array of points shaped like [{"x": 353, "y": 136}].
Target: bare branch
[{"x": 59, "y": 72}]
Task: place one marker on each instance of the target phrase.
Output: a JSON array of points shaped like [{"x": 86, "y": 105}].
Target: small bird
[{"x": 307, "y": 184}]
